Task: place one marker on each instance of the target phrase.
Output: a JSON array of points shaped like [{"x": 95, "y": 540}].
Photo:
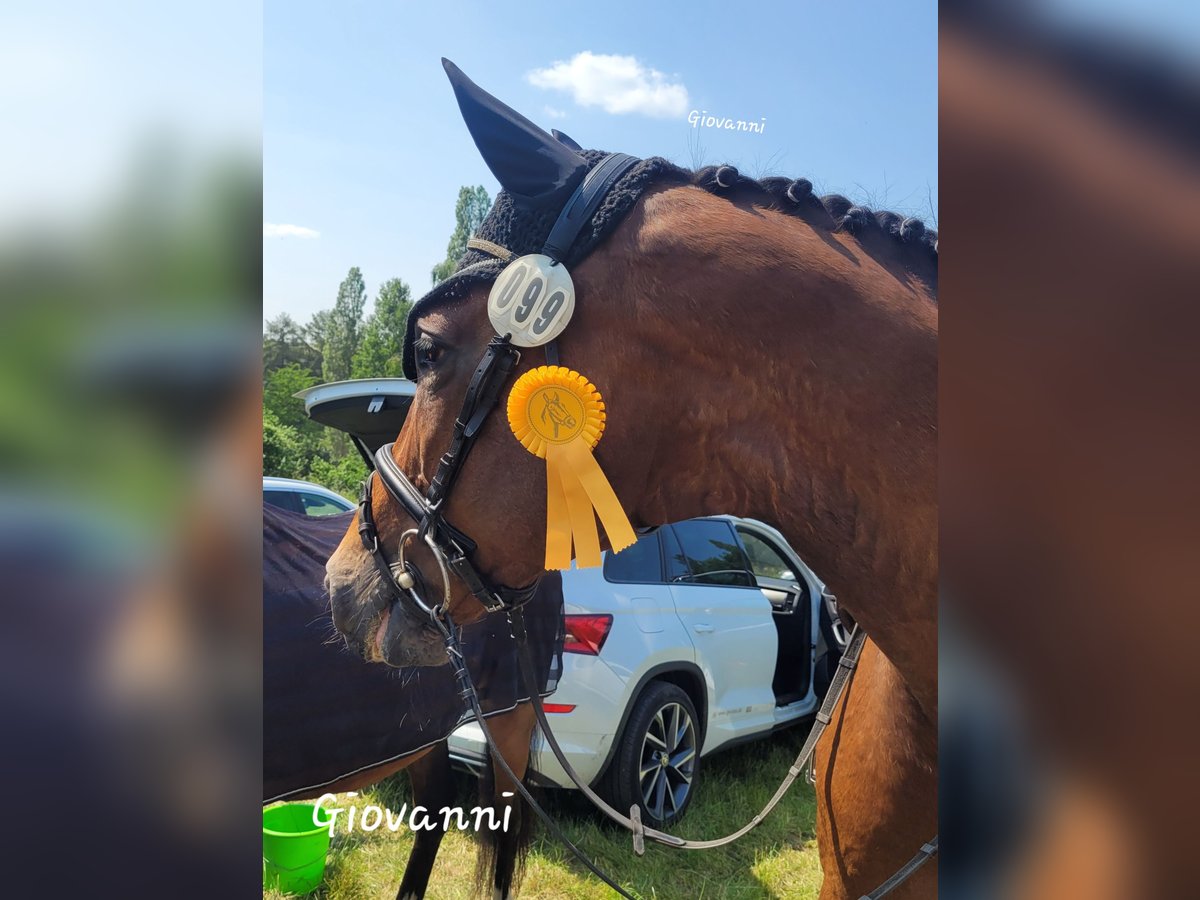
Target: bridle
[{"x": 452, "y": 549}]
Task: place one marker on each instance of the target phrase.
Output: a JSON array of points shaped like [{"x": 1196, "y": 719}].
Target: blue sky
[{"x": 364, "y": 150}]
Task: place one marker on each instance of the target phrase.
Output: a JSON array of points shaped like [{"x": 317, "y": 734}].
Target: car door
[
  {"x": 774, "y": 573},
  {"x": 729, "y": 622},
  {"x": 791, "y": 602}
]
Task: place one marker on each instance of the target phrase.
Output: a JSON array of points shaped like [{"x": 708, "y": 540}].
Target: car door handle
[{"x": 702, "y": 628}]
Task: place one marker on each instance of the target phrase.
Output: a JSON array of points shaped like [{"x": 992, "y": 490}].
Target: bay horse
[{"x": 760, "y": 352}]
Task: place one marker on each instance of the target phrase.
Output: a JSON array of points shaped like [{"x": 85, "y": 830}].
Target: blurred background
[
  {"x": 1069, "y": 138},
  {"x": 130, "y": 430},
  {"x": 130, "y": 295}
]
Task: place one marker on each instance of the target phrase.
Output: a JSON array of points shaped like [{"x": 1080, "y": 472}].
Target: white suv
[{"x": 704, "y": 633}]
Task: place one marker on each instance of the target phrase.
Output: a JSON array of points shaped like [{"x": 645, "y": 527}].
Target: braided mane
[
  {"x": 523, "y": 229},
  {"x": 918, "y": 243}
]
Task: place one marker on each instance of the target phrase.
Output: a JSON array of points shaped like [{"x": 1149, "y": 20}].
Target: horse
[{"x": 760, "y": 351}]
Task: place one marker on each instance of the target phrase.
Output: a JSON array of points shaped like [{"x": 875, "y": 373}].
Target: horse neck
[{"x": 803, "y": 392}]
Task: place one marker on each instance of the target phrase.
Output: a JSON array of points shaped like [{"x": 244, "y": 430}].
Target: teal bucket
[{"x": 293, "y": 848}]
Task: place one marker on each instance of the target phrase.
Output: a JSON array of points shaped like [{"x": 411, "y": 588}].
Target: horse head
[{"x": 555, "y": 414}]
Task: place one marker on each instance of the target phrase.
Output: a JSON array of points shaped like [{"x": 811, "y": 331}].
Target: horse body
[
  {"x": 771, "y": 367},
  {"x": 760, "y": 380}
]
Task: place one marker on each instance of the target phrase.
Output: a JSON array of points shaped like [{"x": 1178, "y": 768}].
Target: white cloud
[
  {"x": 271, "y": 230},
  {"x": 617, "y": 84},
  {"x": 553, "y": 112}
]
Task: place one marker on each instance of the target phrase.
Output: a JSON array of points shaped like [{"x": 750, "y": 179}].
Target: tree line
[{"x": 338, "y": 344}]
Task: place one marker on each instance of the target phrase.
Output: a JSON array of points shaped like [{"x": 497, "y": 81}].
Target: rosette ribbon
[{"x": 558, "y": 415}]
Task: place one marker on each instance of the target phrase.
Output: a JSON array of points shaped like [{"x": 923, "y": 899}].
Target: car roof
[{"x": 272, "y": 481}]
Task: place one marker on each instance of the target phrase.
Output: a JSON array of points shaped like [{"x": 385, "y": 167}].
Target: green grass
[{"x": 777, "y": 859}]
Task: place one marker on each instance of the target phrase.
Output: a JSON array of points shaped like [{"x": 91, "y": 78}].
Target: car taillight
[
  {"x": 558, "y": 707},
  {"x": 586, "y": 634}
]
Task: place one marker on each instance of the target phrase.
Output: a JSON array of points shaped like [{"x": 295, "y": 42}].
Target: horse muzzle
[{"x": 373, "y": 626}]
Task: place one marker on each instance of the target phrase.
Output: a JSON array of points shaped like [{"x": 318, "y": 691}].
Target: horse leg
[
  {"x": 502, "y": 852},
  {"x": 876, "y": 786},
  {"x": 433, "y": 788}
]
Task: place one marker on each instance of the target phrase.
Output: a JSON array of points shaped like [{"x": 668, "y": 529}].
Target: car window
[
  {"x": 765, "y": 560},
  {"x": 285, "y": 500},
  {"x": 640, "y": 563},
  {"x": 677, "y": 565},
  {"x": 713, "y": 553},
  {"x": 316, "y": 505}
]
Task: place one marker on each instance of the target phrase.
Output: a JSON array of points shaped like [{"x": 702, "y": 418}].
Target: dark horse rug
[{"x": 327, "y": 713}]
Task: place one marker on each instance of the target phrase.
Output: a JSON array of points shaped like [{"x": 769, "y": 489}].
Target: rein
[
  {"x": 466, "y": 690},
  {"x": 633, "y": 822}
]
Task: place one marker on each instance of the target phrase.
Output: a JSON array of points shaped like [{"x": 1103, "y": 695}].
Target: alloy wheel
[{"x": 668, "y": 760}]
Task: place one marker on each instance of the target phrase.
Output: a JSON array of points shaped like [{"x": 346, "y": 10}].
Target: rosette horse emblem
[{"x": 558, "y": 415}]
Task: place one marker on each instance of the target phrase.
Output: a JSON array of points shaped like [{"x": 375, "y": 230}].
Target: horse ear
[
  {"x": 564, "y": 138},
  {"x": 528, "y": 163}
]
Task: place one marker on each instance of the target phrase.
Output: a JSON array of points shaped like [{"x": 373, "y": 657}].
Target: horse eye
[{"x": 427, "y": 353}]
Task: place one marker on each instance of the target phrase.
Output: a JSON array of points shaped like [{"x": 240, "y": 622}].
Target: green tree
[
  {"x": 469, "y": 212},
  {"x": 379, "y": 353},
  {"x": 345, "y": 476},
  {"x": 283, "y": 451},
  {"x": 284, "y": 342},
  {"x": 344, "y": 327},
  {"x": 316, "y": 331},
  {"x": 279, "y": 389}
]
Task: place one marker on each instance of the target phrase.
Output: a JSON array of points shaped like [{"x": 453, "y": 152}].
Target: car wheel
[{"x": 657, "y": 762}]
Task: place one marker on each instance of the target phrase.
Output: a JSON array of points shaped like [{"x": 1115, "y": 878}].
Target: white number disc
[{"x": 533, "y": 300}]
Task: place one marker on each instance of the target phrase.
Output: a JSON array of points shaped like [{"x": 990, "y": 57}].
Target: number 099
[{"x": 532, "y": 300}]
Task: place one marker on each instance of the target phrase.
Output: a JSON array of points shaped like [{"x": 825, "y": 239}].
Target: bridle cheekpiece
[{"x": 451, "y": 548}]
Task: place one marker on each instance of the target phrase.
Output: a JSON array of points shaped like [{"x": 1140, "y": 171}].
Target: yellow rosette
[{"x": 558, "y": 415}]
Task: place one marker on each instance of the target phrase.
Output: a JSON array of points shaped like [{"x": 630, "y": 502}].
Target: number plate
[{"x": 533, "y": 300}]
